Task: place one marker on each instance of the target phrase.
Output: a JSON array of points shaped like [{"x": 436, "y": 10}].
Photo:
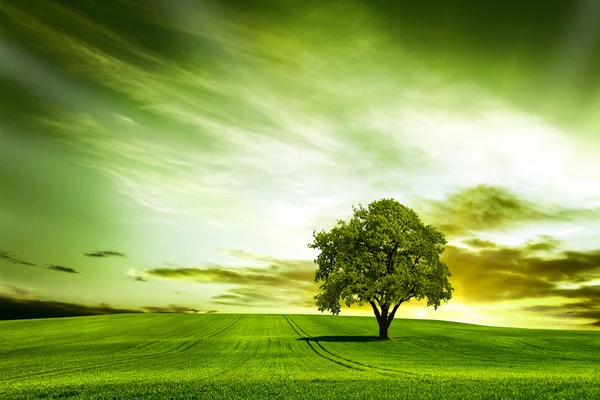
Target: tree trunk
[
  {"x": 384, "y": 319},
  {"x": 383, "y": 329}
]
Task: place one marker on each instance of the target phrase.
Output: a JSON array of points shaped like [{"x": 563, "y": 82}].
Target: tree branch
[
  {"x": 416, "y": 262},
  {"x": 376, "y": 310},
  {"x": 391, "y": 256},
  {"x": 393, "y": 313}
]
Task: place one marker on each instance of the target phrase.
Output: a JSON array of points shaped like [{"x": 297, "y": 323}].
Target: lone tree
[{"x": 383, "y": 256}]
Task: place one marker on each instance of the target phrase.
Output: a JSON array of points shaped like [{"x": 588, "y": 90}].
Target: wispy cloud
[
  {"x": 490, "y": 208},
  {"x": 478, "y": 243},
  {"x": 588, "y": 308},
  {"x": 535, "y": 271},
  {"x": 25, "y": 308},
  {"x": 16, "y": 290},
  {"x": 173, "y": 308},
  {"x": 6, "y": 256},
  {"x": 22, "y": 308},
  {"x": 357, "y": 129},
  {"x": 283, "y": 273},
  {"x": 60, "y": 268},
  {"x": 276, "y": 282},
  {"x": 105, "y": 253}
]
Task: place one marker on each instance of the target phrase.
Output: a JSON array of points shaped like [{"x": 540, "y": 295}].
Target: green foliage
[
  {"x": 383, "y": 255},
  {"x": 290, "y": 357}
]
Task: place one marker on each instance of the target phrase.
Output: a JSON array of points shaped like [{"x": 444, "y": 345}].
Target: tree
[{"x": 383, "y": 256}]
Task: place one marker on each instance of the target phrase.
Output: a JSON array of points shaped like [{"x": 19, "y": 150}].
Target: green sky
[{"x": 179, "y": 154}]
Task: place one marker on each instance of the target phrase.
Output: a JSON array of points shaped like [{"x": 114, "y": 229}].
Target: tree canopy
[{"x": 383, "y": 256}]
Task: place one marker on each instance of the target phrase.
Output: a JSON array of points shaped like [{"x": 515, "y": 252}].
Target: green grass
[{"x": 291, "y": 357}]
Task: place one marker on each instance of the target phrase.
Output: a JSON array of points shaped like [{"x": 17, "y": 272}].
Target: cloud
[
  {"x": 6, "y": 256},
  {"x": 26, "y": 308},
  {"x": 478, "y": 243},
  {"x": 489, "y": 208},
  {"x": 60, "y": 268},
  {"x": 105, "y": 253},
  {"x": 13, "y": 308},
  {"x": 15, "y": 290},
  {"x": 586, "y": 309},
  {"x": 545, "y": 243},
  {"x": 480, "y": 208},
  {"x": 484, "y": 273},
  {"x": 249, "y": 297},
  {"x": 273, "y": 275},
  {"x": 176, "y": 309},
  {"x": 536, "y": 271},
  {"x": 325, "y": 141},
  {"x": 509, "y": 273},
  {"x": 278, "y": 272},
  {"x": 267, "y": 297},
  {"x": 278, "y": 282}
]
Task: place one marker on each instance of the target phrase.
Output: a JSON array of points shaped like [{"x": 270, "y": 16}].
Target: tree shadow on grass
[{"x": 340, "y": 339}]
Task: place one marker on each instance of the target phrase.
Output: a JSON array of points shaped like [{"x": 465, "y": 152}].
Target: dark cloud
[
  {"x": 222, "y": 297},
  {"x": 252, "y": 297},
  {"x": 60, "y": 268},
  {"x": 16, "y": 290},
  {"x": 536, "y": 270},
  {"x": 212, "y": 275},
  {"x": 23, "y": 308},
  {"x": 175, "y": 309},
  {"x": 484, "y": 207},
  {"x": 478, "y": 243},
  {"x": 278, "y": 282},
  {"x": 13, "y": 308},
  {"x": 590, "y": 292},
  {"x": 282, "y": 272},
  {"x": 544, "y": 244},
  {"x": 480, "y": 208},
  {"x": 105, "y": 253},
  {"x": 533, "y": 271},
  {"x": 6, "y": 256},
  {"x": 503, "y": 273},
  {"x": 587, "y": 309},
  {"x": 575, "y": 266},
  {"x": 485, "y": 273}
]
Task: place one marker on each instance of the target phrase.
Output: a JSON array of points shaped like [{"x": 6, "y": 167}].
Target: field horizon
[
  {"x": 290, "y": 356},
  {"x": 583, "y": 327}
]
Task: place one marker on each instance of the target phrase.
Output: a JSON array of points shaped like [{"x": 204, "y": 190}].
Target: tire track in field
[
  {"x": 130, "y": 349},
  {"x": 521, "y": 343},
  {"x": 357, "y": 365},
  {"x": 249, "y": 354},
  {"x": 177, "y": 350},
  {"x": 328, "y": 355},
  {"x": 124, "y": 350},
  {"x": 210, "y": 335}
]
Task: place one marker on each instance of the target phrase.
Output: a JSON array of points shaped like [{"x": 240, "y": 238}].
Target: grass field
[{"x": 290, "y": 356}]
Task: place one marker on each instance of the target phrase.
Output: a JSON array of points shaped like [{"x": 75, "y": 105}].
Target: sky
[{"x": 176, "y": 156}]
